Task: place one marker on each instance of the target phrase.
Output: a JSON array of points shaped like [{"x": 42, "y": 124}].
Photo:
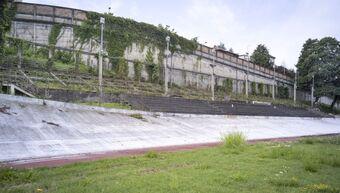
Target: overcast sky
[{"x": 282, "y": 25}]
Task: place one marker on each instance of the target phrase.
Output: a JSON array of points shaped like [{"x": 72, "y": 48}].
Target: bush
[
  {"x": 122, "y": 69},
  {"x": 137, "y": 116},
  {"x": 64, "y": 57},
  {"x": 234, "y": 140},
  {"x": 137, "y": 66},
  {"x": 151, "y": 154}
]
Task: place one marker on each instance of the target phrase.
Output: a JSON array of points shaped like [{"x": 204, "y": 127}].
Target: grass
[
  {"x": 234, "y": 140},
  {"x": 107, "y": 105},
  {"x": 263, "y": 168},
  {"x": 137, "y": 116}
]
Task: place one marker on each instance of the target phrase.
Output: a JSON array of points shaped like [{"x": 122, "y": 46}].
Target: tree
[
  {"x": 321, "y": 59},
  {"x": 7, "y": 11},
  {"x": 261, "y": 56}
]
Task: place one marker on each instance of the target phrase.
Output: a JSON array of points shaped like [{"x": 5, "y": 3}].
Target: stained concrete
[{"x": 33, "y": 128}]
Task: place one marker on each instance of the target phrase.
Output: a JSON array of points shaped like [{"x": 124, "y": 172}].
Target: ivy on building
[
  {"x": 152, "y": 68},
  {"x": 120, "y": 33},
  {"x": 253, "y": 88},
  {"x": 137, "y": 66},
  {"x": 54, "y": 33},
  {"x": 122, "y": 68},
  {"x": 282, "y": 92},
  {"x": 7, "y": 13},
  {"x": 261, "y": 88},
  {"x": 227, "y": 85}
]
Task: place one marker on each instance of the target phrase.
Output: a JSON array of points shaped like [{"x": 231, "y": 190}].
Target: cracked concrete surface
[{"x": 31, "y": 128}]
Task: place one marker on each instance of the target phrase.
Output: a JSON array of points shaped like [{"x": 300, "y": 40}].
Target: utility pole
[
  {"x": 167, "y": 39},
  {"x": 213, "y": 65},
  {"x": 273, "y": 93},
  {"x": 312, "y": 93},
  {"x": 295, "y": 86},
  {"x": 247, "y": 75},
  {"x": 100, "y": 70}
]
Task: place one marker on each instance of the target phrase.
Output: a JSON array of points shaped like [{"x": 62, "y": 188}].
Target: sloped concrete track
[{"x": 33, "y": 129}]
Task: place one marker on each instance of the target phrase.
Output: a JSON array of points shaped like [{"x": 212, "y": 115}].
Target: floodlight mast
[
  {"x": 165, "y": 66},
  {"x": 100, "y": 69},
  {"x": 213, "y": 65}
]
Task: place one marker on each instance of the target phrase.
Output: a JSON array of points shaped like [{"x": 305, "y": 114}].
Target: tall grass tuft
[{"x": 234, "y": 140}]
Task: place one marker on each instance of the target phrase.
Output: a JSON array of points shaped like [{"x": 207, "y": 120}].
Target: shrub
[
  {"x": 151, "y": 154},
  {"x": 63, "y": 56},
  {"x": 122, "y": 69},
  {"x": 234, "y": 140},
  {"x": 137, "y": 116},
  {"x": 137, "y": 66}
]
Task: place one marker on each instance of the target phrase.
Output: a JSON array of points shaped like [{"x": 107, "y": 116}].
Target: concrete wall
[{"x": 33, "y": 22}]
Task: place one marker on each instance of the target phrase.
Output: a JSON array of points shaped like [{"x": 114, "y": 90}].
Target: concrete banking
[{"x": 32, "y": 128}]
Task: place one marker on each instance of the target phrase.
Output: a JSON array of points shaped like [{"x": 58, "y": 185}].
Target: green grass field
[{"x": 309, "y": 165}]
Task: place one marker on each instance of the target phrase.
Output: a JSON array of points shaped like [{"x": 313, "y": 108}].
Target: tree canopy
[
  {"x": 321, "y": 59},
  {"x": 261, "y": 56},
  {"x": 6, "y": 14}
]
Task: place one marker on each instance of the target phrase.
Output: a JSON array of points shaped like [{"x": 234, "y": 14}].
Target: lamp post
[
  {"x": 295, "y": 86},
  {"x": 213, "y": 65},
  {"x": 167, "y": 39},
  {"x": 312, "y": 93},
  {"x": 100, "y": 70},
  {"x": 273, "y": 93},
  {"x": 247, "y": 74}
]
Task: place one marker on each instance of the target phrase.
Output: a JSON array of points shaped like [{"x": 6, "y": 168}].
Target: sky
[{"x": 282, "y": 25}]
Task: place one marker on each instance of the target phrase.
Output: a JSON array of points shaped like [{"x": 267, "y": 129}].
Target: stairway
[{"x": 193, "y": 106}]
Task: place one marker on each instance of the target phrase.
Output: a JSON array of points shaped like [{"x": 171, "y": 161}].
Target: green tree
[
  {"x": 321, "y": 59},
  {"x": 261, "y": 56},
  {"x": 153, "y": 68},
  {"x": 7, "y": 12}
]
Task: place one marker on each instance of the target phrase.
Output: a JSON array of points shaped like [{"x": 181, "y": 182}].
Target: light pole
[
  {"x": 273, "y": 93},
  {"x": 167, "y": 39},
  {"x": 247, "y": 74},
  {"x": 312, "y": 93},
  {"x": 100, "y": 70},
  {"x": 213, "y": 65},
  {"x": 295, "y": 86}
]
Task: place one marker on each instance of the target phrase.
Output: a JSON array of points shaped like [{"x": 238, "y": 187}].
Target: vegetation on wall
[
  {"x": 253, "y": 88},
  {"x": 228, "y": 85},
  {"x": 54, "y": 33},
  {"x": 282, "y": 92},
  {"x": 122, "y": 69},
  {"x": 152, "y": 68},
  {"x": 7, "y": 12},
  {"x": 121, "y": 32},
  {"x": 63, "y": 56},
  {"x": 138, "y": 66},
  {"x": 269, "y": 90},
  {"x": 261, "y": 88},
  {"x": 244, "y": 87}
]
